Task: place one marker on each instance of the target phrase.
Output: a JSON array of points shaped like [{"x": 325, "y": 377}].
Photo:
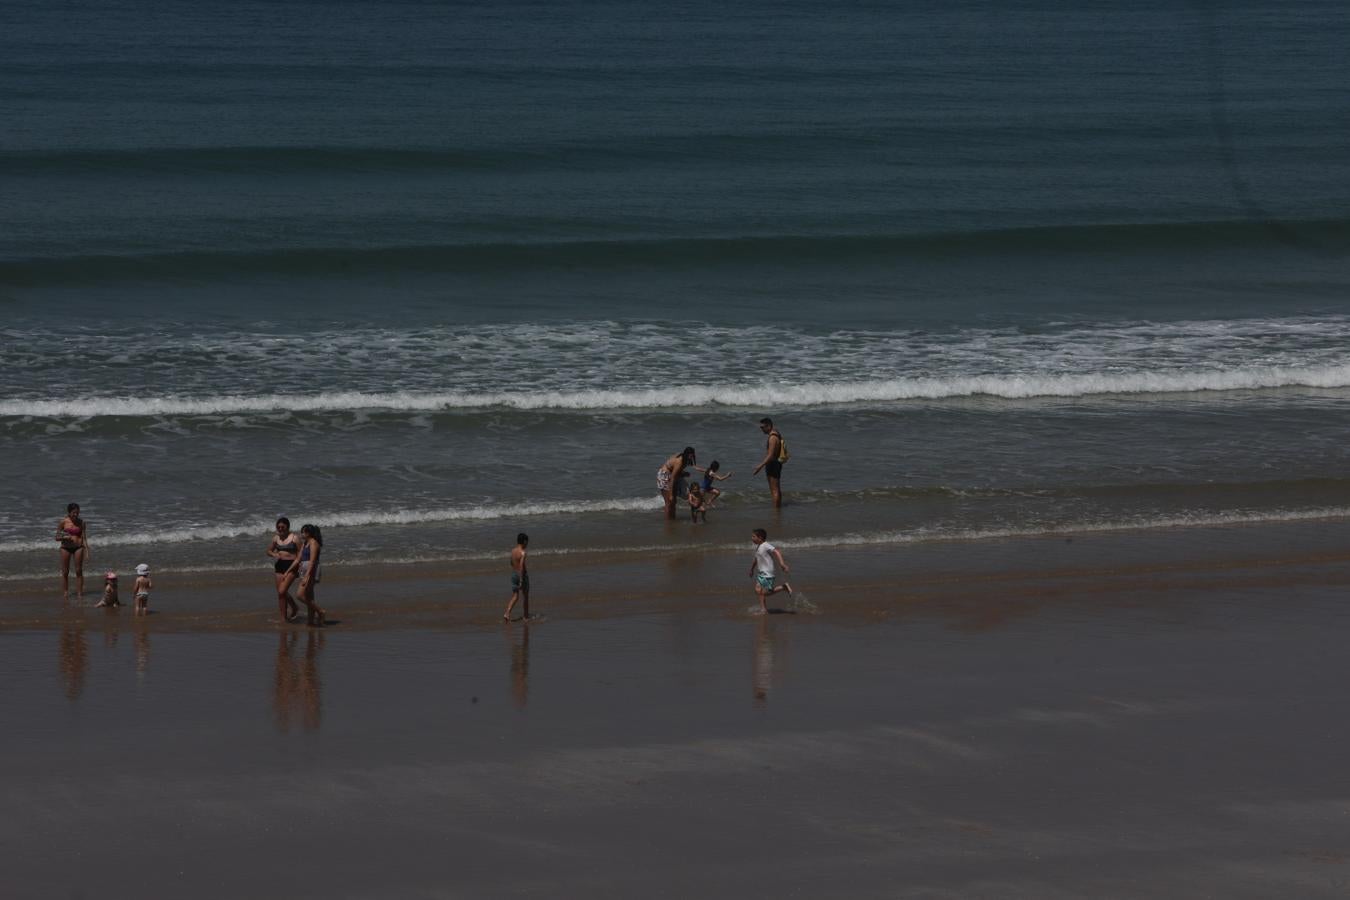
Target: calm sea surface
[{"x": 430, "y": 274}]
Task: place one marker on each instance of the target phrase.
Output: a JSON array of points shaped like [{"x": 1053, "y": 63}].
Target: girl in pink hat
[{"x": 109, "y": 591}]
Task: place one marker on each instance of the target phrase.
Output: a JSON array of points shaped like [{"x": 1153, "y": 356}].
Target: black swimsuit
[
  {"x": 71, "y": 542},
  {"x": 284, "y": 565}
]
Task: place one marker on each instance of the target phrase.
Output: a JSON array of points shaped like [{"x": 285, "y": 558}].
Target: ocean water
[{"x": 431, "y": 274}]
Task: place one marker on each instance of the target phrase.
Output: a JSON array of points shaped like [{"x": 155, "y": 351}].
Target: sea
[{"x": 430, "y": 274}]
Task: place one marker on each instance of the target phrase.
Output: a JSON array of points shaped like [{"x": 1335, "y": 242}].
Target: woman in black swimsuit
[
  {"x": 73, "y": 533},
  {"x": 284, "y": 548}
]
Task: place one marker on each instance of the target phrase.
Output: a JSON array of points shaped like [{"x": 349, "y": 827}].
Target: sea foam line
[
  {"x": 1196, "y": 520},
  {"x": 808, "y": 394},
  {"x": 823, "y": 542},
  {"x": 356, "y": 519}
]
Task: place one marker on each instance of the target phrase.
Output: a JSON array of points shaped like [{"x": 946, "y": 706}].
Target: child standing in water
[
  {"x": 697, "y": 503},
  {"x": 520, "y": 578},
  {"x": 142, "y": 589},
  {"x": 764, "y": 570},
  {"x": 109, "y": 591}
]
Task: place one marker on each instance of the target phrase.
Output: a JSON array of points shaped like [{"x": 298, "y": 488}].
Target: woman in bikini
[
  {"x": 73, "y": 533},
  {"x": 669, "y": 475},
  {"x": 306, "y": 566},
  {"x": 284, "y": 548}
]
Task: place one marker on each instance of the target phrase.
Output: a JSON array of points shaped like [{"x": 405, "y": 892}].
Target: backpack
[{"x": 783, "y": 455}]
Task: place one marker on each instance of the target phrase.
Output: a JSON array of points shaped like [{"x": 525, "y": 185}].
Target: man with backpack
[{"x": 775, "y": 454}]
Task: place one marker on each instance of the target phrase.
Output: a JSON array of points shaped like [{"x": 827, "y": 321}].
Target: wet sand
[{"x": 1131, "y": 715}]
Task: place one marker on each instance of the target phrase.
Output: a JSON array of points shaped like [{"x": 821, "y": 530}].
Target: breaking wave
[{"x": 808, "y": 394}]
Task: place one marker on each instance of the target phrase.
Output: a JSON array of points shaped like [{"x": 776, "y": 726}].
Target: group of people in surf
[
  {"x": 295, "y": 562},
  {"x": 72, "y": 533},
  {"x": 296, "y": 557},
  {"x": 702, "y": 494}
]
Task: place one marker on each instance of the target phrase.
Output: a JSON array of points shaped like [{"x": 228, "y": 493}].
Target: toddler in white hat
[{"x": 143, "y": 586}]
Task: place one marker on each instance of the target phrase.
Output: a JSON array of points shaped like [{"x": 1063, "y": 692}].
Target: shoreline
[{"x": 851, "y": 583}]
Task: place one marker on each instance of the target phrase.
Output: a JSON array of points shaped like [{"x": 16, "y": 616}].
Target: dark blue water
[{"x": 425, "y": 271}]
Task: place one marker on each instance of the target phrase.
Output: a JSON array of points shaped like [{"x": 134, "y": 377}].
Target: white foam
[
  {"x": 802, "y": 604},
  {"x": 919, "y": 536},
  {"x": 360, "y": 518},
  {"x": 1197, "y": 520},
  {"x": 743, "y": 395}
]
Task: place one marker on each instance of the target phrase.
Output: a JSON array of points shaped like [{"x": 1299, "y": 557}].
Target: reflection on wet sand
[
  {"x": 762, "y": 660},
  {"x": 141, "y": 637},
  {"x": 296, "y": 690},
  {"x": 519, "y": 640},
  {"x": 73, "y": 657},
  {"x": 111, "y": 630}
]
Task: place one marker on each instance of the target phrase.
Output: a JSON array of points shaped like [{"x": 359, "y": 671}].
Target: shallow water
[{"x": 429, "y": 277}]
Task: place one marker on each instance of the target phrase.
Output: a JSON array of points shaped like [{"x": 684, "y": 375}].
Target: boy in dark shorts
[
  {"x": 775, "y": 454},
  {"x": 520, "y": 579}
]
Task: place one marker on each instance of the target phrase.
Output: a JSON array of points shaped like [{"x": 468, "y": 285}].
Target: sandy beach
[
  {"x": 1046, "y": 303},
  {"x": 1139, "y": 719}
]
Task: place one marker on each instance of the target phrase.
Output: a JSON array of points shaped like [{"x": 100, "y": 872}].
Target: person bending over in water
[
  {"x": 284, "y": 548},
  {"x": 73, "y": 533},
  {"x": 109, "y": 591},
  {"x": 520, "y": 579},
  {"x": 710, "y": 477},
  {"x": 306, "y": 566},
  {"x": 669, "y": 475},
  {"x": 763, "y": 569}
]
